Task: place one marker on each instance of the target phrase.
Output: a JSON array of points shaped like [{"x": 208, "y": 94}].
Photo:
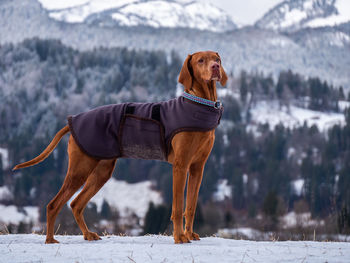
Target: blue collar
[{"x": 215, "y": 104}]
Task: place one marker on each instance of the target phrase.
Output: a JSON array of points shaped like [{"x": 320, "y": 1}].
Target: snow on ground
[
  {"x": 252, "y": 234},
  {"x": 13, "y": 215},
  {"x": 343, "y": 104},
  {"x": 292, "y": 219},
  {"x": 244, "y": 232},
  {"x": 127, "y": 198},
  {"x": 31, "y": 248},
  {"x": 5, "y": 194},
  {"x": 292, "y": 17},
  {"x": 4, "y": 155},
  {"x": 224, "y": 190},
  {"x": 338, "y": 39},
  {"x": 271, "y": 113},
  {"x": 298, "y": 186}
]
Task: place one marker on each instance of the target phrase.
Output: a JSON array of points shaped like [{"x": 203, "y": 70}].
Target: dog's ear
[
  {"x": 223, "y": 79},
  {"x": 186, "y": 75}
]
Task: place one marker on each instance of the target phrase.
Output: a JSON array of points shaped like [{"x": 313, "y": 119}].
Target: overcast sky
[{"x": 245, "y": 11}]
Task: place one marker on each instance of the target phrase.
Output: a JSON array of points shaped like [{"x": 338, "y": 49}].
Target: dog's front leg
[
  {"x": 179, "y": 181},
  {"x": 194, "y": 182}
]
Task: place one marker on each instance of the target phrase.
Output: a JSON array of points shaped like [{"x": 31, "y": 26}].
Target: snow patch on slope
[
  {"x": 292, "y": 17},
  {"x": 271, "y": 113},
  {"x": 293, "y": 219},
  {"x": 296, "y": 14},
  {"x": 4, "y": 154},
  {"x": 223, "y": 191},
  {"x": 5, "y": 193},
  {"x": 144, "y": 13},
  {"x": 298, "y": 186},
  {"x": 126, "y": 198},
  {"x": 339, "y": 39},
  {"x": 343, "y": 16},
  {"x": 13, "y": 215}
]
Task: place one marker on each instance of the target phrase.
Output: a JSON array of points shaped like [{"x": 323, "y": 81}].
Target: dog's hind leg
[
  {"x": 79, "y": 167},
  {"x": 94, "y": 183}
]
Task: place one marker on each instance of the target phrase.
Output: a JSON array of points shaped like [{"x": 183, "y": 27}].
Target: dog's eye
[
  {"x": 200, "y": 60},
  {"x": 217, "y": 60}
]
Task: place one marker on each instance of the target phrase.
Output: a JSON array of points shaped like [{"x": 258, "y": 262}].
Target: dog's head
[{"x": 203, "y": 67}]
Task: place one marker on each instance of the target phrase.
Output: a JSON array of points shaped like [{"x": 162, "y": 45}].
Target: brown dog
[{"x": 189, "y": 153}]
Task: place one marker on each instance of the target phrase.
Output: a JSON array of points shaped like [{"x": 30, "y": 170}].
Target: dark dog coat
[{"x": 139, "y": 130}]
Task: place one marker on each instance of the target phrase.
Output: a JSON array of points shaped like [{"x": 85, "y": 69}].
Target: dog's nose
[{"x": 215, "y": 66}]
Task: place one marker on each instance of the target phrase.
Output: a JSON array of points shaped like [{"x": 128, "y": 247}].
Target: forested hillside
[{"x": 43, "y": 81}]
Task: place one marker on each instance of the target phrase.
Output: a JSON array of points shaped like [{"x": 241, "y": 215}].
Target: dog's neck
[{"x": 205, "y": 90}]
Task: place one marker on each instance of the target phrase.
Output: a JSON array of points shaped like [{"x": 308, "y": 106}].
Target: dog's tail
[{"x": 46, "y": 152}]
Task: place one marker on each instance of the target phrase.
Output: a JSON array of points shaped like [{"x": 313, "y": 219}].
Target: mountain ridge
[
  {"x": 291, "y": 16},
  {"x": 154, "y": 13}
]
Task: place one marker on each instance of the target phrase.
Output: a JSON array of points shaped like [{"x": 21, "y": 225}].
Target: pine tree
[
  {"x": 156, "y": 219},
  {"x": 105, "y": 210},
  {"x": 229, "y": 219},
  {"x": 238, "y": 191},
  {"x": 280, "y": 85},
  {"x": 80, "y": 85},
  {"x": 341, "y": 93},
  {"x": 21, "y": 228},
  {"x": 244, "y": 86},
  {"x": 198, "y": 217},
  {"x": 270, "y": 205},
  {"x": 343, "y": 221}
]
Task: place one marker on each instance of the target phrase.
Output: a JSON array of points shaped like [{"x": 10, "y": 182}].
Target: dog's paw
[
  {"x": 192, "y": 236},
  {"x": 91, "y": 236},
  {"x": 51, "y": 241},
  {"x": 181, "y": 238}
]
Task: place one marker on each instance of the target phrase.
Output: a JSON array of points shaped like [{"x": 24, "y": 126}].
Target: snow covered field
[
  {"x": 31, "y": 248},
  {"x": 271, "y": 113},
  {"x": 139, "y": 195}
]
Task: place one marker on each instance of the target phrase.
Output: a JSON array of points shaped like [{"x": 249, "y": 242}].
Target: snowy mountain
[
  {"x": 311, "y": 52},
  {"x": 154, "y": 13},
  {"x": 292, "y": 15}
]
